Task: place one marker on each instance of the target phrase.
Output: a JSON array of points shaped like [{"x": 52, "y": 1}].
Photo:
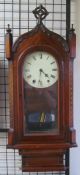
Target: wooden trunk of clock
[{"x": 41, "y": 97}]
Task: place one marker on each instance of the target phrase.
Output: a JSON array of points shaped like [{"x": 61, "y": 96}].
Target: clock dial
[{"x": 40, "y": 69}]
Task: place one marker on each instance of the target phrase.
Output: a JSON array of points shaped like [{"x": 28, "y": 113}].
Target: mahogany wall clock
[{"x": 40, "y": 88}]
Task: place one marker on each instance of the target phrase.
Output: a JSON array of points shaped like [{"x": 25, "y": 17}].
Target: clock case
[{"x": 42, "y": 151}]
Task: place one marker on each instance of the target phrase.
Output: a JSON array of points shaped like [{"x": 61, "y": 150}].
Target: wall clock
[{"x": 40, "y": 89}]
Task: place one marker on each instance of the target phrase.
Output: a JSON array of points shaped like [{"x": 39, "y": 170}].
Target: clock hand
[
  {"x": 41, "y": 71},
  {"x": 46, "y": 75}
]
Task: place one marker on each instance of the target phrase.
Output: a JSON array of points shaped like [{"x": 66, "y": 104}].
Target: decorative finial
[
  {"x": 8, "y": 29},
  {"x": 72, "y": 29},
  {"x": 40, "y": 13}
]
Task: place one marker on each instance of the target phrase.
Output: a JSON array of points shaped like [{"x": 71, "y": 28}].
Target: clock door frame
[{"x": 41, "y": 136}]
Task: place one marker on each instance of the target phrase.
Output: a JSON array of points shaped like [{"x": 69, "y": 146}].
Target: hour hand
[{"x": 41, "y": 71}]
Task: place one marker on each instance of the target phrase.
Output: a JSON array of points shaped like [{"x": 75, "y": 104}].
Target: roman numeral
[
  {"x": 34, "y": 58},
  {"x": 29, "y": 76},
  {"x": 27, "y": 70},
  {"x": 53, "y": 76},
  {"x": 28, "y": 63},
  {"x": 41, "y": 56},
  {"x": 53, "y": 62},
  {"x": 54, "y": 69},
  {"x": 47, "y": 57}
]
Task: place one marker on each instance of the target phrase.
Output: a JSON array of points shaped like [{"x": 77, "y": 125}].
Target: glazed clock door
[{"x": 40, "y": 86}]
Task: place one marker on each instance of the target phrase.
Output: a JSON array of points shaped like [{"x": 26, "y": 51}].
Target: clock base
[{"x": 49, "y": 160}]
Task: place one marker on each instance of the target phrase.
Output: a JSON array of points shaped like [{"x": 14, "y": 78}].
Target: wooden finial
[
  {"x": 72, "y": 29},
  {"x": 8, "y": 43},
  {"x": 72, "y": 42},
  {"x": 8, "y": 29}
]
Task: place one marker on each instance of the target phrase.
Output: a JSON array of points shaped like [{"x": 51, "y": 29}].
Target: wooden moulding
[{"x": 48, "y": 160}]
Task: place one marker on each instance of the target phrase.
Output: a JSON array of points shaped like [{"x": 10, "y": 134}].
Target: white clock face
[{"x": 40, "y": 69}]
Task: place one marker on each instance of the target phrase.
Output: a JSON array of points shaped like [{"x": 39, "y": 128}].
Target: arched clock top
[{"x": 41, "y": 32}]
